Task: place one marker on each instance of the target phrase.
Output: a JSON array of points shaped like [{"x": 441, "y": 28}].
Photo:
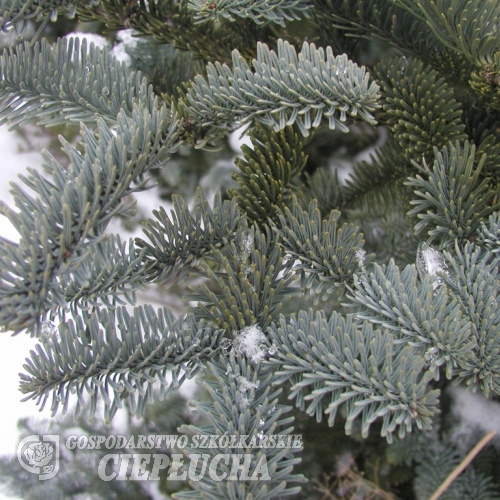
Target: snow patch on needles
[
  {"x": 430, "y": 262},
  {"x": 474, "y": 412},
  {"x": 127, "y": 40},
  {"x": 245, "y": 384},
  {"x": 248, "y": 242},
  {"x": 360, "y": 255},
  {"x": 251, "y": 342},
  {"x": 49, "y": 329}
]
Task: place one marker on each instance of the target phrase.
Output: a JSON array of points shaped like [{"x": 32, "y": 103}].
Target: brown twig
[{"x": 463, "y": 464}]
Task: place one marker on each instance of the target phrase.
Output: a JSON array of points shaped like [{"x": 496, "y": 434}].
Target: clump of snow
[
  {"x": 262, "y": 420},
  {"x": 272, "y": 350},
  {"x": 127, "y": 40},
  {"x": 236, "y": 139},
  {"x": 430, "y": 262},
  {"x": 125, "y": 37},
  {"x": 246, "y": 239},
  {"x": 245, "y": 401},
  {"x": 97, "y": 40},
  {"x": 245, "y": 384},
  {"x": 360, "y": 255},
  {"x": 251, "y": 342},
  {"x": 430, "y": 355},
  {"x": 357, "y": 279},
  {"x": 475, "y": 413},
  {"x": 49, "y": 329},
  {"x": 247, "y": 242}
]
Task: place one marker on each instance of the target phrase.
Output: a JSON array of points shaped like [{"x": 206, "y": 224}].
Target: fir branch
[
  {"x": 483, "y": 127},
  {"x": 261, "y": 11},
  {"x": 165, "y": 67},
  {"x": 486, "y": 82},
  {"x": 329, "y": 254},
  {"x": 324, "y": 186},
  {"x": 377, "y": 183},
  {"x": 109, "y": 271},
  {"x": 243, "y": 404},
  {"x": 377, "y": 20},
  {"x": 359, "y": 367},
  {"x": 68, "y": 216},
  {"x": 171, "y": 21},
  {"x": 474, "y": 279},
  {"x": 16, "y": 13},
  {"x": 388, "y": 234},
  {"x": 422, "y": 112},
  {"x": 122, "y": 360},
  {"x": 469, "y": 27},
  {"x": 489, "y": 235},
  {"x": 375, "y": 365},
  {"x": 453, "y": 199},
  {"x": 252, "y": 283},
  {"x": 419, "y": 314},
  {"x": 269, "y": 172},
  {"x": 176, "y": 242},
  {"x": 454, "y": 67},
  {"x": 284, "y": 89},
  {"x": 67, "y": 82},
  {"x": 480, "y": 123}
]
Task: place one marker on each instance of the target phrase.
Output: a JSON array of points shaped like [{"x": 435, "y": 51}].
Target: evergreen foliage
[
  {"x": 267, "y": 179},
  {"x": 283, "y": 288},
  {"x": 356, "y": 367},
  {"x": 118, "y": 354},
  {"x": 286, "y": 88},
  {"x": 420, "y": 106},
  {"x": 77, "y": 85},
  {"x": 277, "y": 11},
  {"x": 455, "y": 198}
]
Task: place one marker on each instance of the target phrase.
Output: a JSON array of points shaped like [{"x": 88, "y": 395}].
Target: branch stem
[{"x": 463, "y": 464}]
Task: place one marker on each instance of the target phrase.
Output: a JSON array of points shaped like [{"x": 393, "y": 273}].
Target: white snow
[
  {"x": 360, "y": 255},
  {"x": 245, "y": 401},
  {"x": 245, "y": 384},
  {"x": 97, "y": 40},
  {"x": 476, "y": 413},
  {"x": 236, "y": 140},
  {"x": 127, "y": 40},
  {"x": 430, "y": 262},
  {"x": 250, "y": 342},
  {"x": 49, "y": 328},
  {"x": 119, "y": 50},
  {"x": 247, "y": 242},
  {"x": 430, "y": 355}
]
